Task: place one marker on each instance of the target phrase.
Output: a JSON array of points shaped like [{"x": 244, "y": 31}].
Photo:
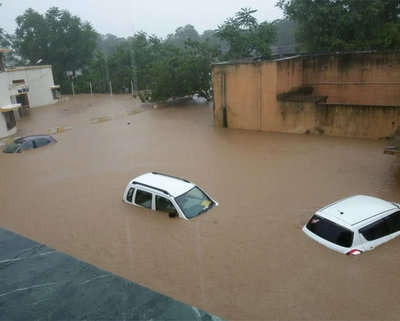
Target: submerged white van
[
  {"x": 355, "y": 224},
  {"x": 166, "y": 193}
]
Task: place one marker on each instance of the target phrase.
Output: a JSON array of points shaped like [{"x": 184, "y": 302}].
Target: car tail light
[{"x": 354, "y": 252}]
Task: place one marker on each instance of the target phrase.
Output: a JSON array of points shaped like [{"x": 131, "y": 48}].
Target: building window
[
  {"x": 19, "y": 82},
  {"x": 56, "y": 93},
  {"x": 10, "y": 119}
]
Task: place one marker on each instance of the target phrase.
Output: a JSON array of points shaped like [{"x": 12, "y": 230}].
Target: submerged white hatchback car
[
  {"x": 355, "y": 224},
  {"x": 174, "y": 195}
]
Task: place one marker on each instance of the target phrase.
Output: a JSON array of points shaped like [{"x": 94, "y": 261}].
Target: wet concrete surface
[{"x": 246, "y": 259}]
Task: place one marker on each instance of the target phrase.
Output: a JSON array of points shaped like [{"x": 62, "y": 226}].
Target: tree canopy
[
  {"x": 331, "y": 25},
  {"x": 179, "y": 72},
  {"x": 245, "y": 36},
  {"x": 57, "y": 38},
  {"x": 181, "y": 35},
  {"x": 178, "y": 66}
]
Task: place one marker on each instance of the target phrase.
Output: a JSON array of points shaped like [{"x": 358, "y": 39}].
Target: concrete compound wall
[
  {"x": 248, "y": 92},
  {"x": 363, "y": 95},
  {"x": 362, "y": 79},
  {"x": 340, "y": 120}
]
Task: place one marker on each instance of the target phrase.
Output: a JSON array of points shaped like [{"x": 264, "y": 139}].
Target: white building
[{"x": 22, "y": 88}]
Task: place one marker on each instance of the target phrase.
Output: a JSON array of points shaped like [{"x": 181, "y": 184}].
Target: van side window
[
  {"x": 163, "y": 204},
  {"x": 143, "y": 198},
  {"x": 129, "y": 195},
  {"x": 376, "y": 230}
]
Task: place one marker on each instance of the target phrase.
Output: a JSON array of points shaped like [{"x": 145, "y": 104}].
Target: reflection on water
[{"x": 245, "y": 259}]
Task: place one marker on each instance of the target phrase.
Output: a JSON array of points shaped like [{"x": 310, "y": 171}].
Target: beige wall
[
  {"x": 363, "y": 79},
  {"x": 340, "y": 120},
  {"x": 372, "y": 82},
  {"x": 250, "y": 92},
  {"x": 289, "y": 74},
  {"x": 242, "y": 87}
]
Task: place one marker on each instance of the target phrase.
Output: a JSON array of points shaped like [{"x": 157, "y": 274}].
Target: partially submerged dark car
[{"x": 28, "y": 142}]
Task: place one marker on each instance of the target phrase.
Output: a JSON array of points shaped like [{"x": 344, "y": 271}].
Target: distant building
[
  {"x": 22, "y": 88},
  {"x": 354, "y": 94}
]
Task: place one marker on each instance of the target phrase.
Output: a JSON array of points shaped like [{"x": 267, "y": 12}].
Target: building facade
[{"x": 23, "y": 88}]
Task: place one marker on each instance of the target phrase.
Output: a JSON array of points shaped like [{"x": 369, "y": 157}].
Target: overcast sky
[{"x": 125, "y": 17}]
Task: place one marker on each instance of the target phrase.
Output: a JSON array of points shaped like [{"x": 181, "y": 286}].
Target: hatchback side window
[
  {"x": 41, "y": 142},
  {"x": 163, "y": 204},
  {"x": 376, "y": 230},
  {"x": 27, "y": 145},
  {"x": 394, "y": 222},
  {"x": 143, "y": 198},
  {"x": 129, "y": 195}
]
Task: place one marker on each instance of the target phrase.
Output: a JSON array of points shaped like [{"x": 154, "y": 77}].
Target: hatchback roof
[
  {"x": 36, "y": 136},
  {"x": 355, "y": 209},
  {"x": 32, "y": 137},
  {"x": 174, "y": 186}
]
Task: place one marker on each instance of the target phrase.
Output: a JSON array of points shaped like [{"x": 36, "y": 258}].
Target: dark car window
[
  {"x": 164, "y": 205},
  {"x": 394, "y": 221},
  {"x": 41, "y": 142},
  {"x": 129, "y": 195},
  {"x": 12, "y": 148},
  {"x": 330, "y": 231},
  {"x": 382, "y": 228},
  {"x": 143, "y": 198},
  {"x": 27, "y": 145}
]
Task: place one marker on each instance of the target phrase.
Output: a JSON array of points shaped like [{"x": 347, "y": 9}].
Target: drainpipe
[{"x": 224, "y": 111}]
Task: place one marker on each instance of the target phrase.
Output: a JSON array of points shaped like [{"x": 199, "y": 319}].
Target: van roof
[
  {"x": 355, "y": 209},
  {"x": 171, "y": 185}
]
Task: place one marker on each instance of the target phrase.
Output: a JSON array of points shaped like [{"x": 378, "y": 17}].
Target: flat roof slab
[{"x": 40, "y": 283}]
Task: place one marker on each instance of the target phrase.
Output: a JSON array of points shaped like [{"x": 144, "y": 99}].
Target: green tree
[
  {"x": 245, "y": 36},
  {"x": 97, "y": 73},
  {"x": 120, "y": 68},
  {"x": 146, "y": 50},
  {"x": 181, "y": 35},
  {"x": 328, "y": 25},
  {"x": 180, "y": 72},
  {"x": 215, "y": 43},
  {"x": 5, "y": 39},
  {"x": 57, "y": 38},
  {"x": 107, "y": 43}
]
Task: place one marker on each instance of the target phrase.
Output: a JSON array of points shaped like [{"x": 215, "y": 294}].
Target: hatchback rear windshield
[{"x": 330, "y": 231}]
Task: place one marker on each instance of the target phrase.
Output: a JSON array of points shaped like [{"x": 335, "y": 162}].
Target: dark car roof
[{"x": 33, "y": 137}]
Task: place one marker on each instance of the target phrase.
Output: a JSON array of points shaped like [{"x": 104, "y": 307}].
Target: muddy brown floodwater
[{"x": 246, "y": 259}]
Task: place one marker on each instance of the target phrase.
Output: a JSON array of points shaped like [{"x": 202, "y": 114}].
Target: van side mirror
[{"x": 173, "y": 214}]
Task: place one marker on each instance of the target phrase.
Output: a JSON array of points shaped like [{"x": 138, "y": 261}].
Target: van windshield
[
  {"x": 330, "y": 231},
  {"x": 194, "y": 202}
]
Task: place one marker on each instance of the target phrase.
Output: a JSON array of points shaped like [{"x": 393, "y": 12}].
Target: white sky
[{"x": 125, "y": 17}]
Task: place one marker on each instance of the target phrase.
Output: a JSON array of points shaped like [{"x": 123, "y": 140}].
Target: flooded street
[{"x": 246, "y": 259}]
